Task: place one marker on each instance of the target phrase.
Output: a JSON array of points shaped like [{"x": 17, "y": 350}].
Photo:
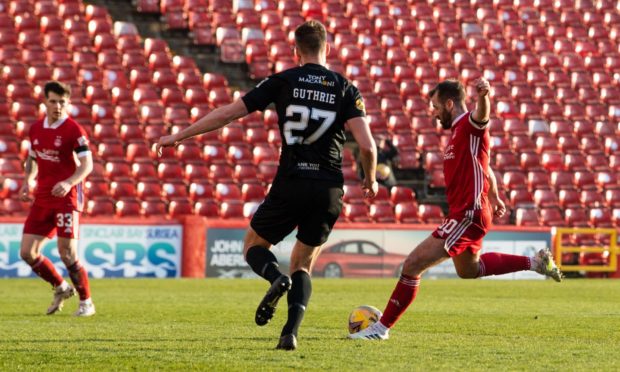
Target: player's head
[
  {"x": 311, "y": 39},
  {"x": 56, "y": 100},
  {"x": 445, "y": 98}
]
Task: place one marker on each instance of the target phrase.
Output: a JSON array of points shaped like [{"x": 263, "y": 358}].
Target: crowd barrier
[{"x": 194, "y": 247}]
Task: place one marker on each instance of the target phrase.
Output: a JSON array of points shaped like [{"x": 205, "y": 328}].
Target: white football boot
[
  {"x": 376, "y": 331},
  {"x": 543, "y": 264},
  {"x": 61, "y": 293},
  {"x": 86, "y": 308}
]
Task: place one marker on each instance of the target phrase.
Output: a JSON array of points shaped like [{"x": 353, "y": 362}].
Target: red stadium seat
[
  {"x": 149, "y": 189},
  {"x": 207, "y": 208},
  {"x": 180, "y": 207},
  {"x": 98, "y": 207},
  {"x": 382, "y": 213},
  {"x": 189, "y": 152},
  {"x": 407, "y": 212},
  {"x": 232, "y": 209},
  {"x": 569, "y": 199},
  {"x": 117, "y": 170},
  {"x": 246, "y": 173},
  {"x": 430, "y": 213},
  {"x": 402, "y": 194},
  {"x": 591, "y": 199},
  {"x": 239, "y": 154},
  {"x": 552, "y": 161},
  {"x": 124, "y": 188},
  {"x": 215, "y": 153},
  {"x": 96, "y": 189},
  {"x": 576, "y": 217},
  {"x": 252, "y": 192},
  {"x": 353, "y": 194},
  {"x": 128, "y": 208},
  {"x": 111, "y": 150},
  {"x": 174, "y": 189},
  {"x": 153, "y": 208},
  {"x": 527, "y": 217},
  {"x": 138, "y": 151},
  {"x": 546, "y": 198},
  {"x": 170, "y": 171},
  {"x": 220, "y": 173},
  {"x": 143, "y": 171},
  {"x": 521, "y": 199},
  {"x": 356, "y": 212},
  {"x": 551, "y": 217},
  {"x": 196, "y": 172}
]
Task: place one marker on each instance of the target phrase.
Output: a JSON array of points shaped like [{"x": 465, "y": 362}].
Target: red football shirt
[
  {"x": 56, "y": 148},
  {"x": 466, "y": 165}
]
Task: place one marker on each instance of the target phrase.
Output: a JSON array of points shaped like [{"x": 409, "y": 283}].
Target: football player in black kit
[{"x": 313, "y": 106}]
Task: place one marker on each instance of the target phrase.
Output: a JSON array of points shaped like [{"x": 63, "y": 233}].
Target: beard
[{"x": 445, "y": 119}]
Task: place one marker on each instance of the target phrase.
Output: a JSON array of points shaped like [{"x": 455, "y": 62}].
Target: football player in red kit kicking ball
[
  {"x": 471, "y": 191},
  {"x": 60, "y": 159}
]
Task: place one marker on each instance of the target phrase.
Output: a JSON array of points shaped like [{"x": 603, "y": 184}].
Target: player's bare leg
[
  {"x": 263, "y": 262},
  {"x": 303, "y": 258},
  {"x": 30, "y": 252},
  {"x": 67, "y": 248},
  {"x": 427, "y": 254}
]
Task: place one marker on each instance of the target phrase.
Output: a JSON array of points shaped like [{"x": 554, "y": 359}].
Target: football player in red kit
[
  {"x": 60, "y": 160},
  {"x": 473, "y": 199}
]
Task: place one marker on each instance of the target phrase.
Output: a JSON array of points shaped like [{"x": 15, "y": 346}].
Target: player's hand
[
  {"x": 61, "y": 189},
  {"x": 24, "y": 192},
  {"x": 166, "y": 141},
  {"x": 498, "y": 206},
  {"x": 482, "y": 87},
  {"x": 370, "y": 188}
]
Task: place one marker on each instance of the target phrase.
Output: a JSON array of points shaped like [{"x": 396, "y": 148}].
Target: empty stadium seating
[{"x": 554, "y": 93}]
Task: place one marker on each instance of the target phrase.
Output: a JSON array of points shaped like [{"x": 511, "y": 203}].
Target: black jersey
[{"x": 313, "y": 105}]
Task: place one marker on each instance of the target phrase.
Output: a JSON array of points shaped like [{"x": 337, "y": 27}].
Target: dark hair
[
  {"x": 57, "y": 87},
  {"x": 310, "y": 37},
  {"x": 449, "y": 89}
]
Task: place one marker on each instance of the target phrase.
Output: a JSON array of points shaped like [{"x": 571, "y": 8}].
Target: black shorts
[{"x": 313, "y": 206}]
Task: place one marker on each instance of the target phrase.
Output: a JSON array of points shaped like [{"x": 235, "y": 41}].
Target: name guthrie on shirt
[{"x": 314, "y": 95}]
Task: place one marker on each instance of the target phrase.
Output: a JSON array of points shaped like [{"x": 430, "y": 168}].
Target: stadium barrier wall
[
  {"x": 224, "y": 248},
  {"x": 110, "y": 247},
  {"x": 194, "y": 247}
]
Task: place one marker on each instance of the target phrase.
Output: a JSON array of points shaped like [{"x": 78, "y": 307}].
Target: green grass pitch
[{"x": 149, "y": 324}]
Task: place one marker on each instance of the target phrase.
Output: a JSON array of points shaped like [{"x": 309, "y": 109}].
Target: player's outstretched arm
[
  {"x": 210, "y": 122},
  {"x": 483, "y": 105},
  {"x": 62, "y": 188},
  {"x": 30, "y": 170},
  {"x": 368, "y": 154},
  {"x": 499, "y": 208}
]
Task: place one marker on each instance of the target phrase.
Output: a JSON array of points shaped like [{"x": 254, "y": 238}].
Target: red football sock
[
  {"x": 499, "y": 263},
  {"x": 44, "y": 268},
  {"x": 79, "y": 277},
  {"x": 403, "y": 295}
]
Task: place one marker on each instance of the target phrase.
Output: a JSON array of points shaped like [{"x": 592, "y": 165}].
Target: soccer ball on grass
[{"x": 363, "y": 317}]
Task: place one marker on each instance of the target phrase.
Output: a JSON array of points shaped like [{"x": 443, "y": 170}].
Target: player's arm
[
  {"x": 83, "y": 169},
  {"x": 480, "y": 116},
  {"x": 212, "y": 121},
  {"x": 368, "y": 153},
  {"x": 30, "y": 170},
  {"x": 499, "y": 208}
]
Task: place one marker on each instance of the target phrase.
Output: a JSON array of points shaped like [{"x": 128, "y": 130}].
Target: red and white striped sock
[
  {"x": 44, "y": 268},
  {"x": 499, "y": 263},
  {"x": 402, "y": 296}
]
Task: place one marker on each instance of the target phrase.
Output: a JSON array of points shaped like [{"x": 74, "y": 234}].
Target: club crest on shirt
[
  {"x": 359, "y": 104},
  {"x": 58, "y": 141},
  {"x": 36, "y": 141}
]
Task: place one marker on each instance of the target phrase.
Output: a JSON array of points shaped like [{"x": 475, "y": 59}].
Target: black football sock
[
  {"x": 263, "y": 263},
  {"x": 298, "y": 298}
]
